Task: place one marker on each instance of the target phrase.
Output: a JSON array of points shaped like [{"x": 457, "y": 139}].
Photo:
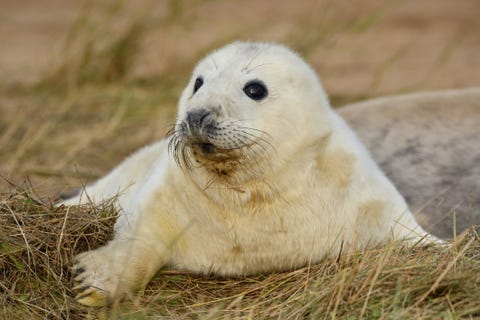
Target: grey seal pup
[{"x": 259, "y": 174}]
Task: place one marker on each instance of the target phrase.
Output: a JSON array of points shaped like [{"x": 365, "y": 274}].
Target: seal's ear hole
[
  {"x": 198, "y": 84},
  {"x": 256, "y": 90}
]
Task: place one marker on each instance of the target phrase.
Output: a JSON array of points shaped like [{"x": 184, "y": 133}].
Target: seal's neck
[{"x": 257, "y": 184}]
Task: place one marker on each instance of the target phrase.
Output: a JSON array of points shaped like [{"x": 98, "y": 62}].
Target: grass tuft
[{"x": 38, "y": 242}]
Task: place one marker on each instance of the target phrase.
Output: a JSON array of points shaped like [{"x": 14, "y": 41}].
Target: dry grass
[
  {"x": 38, "y": 242},
  {"x": 91, "y": 110}
]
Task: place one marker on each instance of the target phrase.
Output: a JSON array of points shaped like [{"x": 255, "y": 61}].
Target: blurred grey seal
[{"x": 428, "y": 144}]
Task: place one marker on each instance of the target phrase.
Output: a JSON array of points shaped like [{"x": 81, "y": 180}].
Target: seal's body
[
  {"x": 428, "y": 144},
  {"x": 262, "y": 175}
]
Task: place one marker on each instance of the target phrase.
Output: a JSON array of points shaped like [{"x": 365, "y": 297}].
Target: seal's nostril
[
  {"x": 203, "y": 118},
  {"x": 196, "y": 117}
]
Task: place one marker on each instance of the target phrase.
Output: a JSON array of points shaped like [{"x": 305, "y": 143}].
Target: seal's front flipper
[{"x": 114, "y": 272}]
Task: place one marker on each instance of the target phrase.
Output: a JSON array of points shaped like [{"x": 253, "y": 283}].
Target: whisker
[
  {"x": 259, "y": 66},
  {"x": 257, "y": 130},
  {"x": 263, "y": 143},
  {"x": 209, "y": 183},
  {"x": 253, "y": 59},
  {"x": 254, "y": 149},
  {"x": 214, "y": 63}
]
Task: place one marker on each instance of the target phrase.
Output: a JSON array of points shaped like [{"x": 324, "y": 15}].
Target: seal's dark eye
[
  {"x": 198, "y": 84},
  {"x": 255, "y": 90}
]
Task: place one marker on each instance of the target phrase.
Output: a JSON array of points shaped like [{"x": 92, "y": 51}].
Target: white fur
[{"x": 316, "y": 190}]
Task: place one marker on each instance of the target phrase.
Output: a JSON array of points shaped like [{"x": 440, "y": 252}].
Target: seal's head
[{"x": 245, "y": 103}]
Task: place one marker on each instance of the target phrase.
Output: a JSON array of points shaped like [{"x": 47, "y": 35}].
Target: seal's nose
[{"x": 196, "y": 119}]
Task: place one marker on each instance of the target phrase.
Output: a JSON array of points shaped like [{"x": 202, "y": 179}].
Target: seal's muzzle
[
  {"x": 200, "y": 125},
  {"x": 198, "y": 120}
]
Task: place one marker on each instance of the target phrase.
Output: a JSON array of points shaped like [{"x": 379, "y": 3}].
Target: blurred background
[{"x": 85, "y": 83}]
